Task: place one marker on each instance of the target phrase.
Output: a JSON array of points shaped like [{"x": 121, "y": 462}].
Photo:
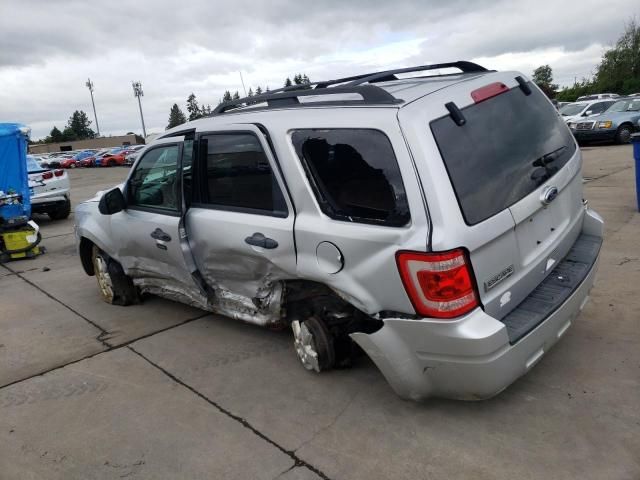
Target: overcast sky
[{"x": 48, "y": 48}]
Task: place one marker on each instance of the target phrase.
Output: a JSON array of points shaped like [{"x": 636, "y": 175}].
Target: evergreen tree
[
  {"x": 227, "y": 96},
  {"x": 55, "y": 136},
  {"x": 206, "y": 110},
  {"x": 236, "y": 96},
  {"x": 258, "y": 90},
  {"x": 193, "y": 108},
  {"x": 250, "y": 94},
  {"x": 287, "y": 82},
  {"x": 297, "y": 79},
  {"x": 78, "y": 127},
  {"x": 176, "y": 117},
  {"x": 305, "y": 79}
]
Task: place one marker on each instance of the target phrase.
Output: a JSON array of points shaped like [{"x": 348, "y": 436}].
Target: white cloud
[{"x": 50, "y": 48}]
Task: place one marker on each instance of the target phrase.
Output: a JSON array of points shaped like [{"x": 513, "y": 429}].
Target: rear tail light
[
  {"x": 58, "y": 173},
  {"x": 47, "y": 175},
  {"x": 439, "y": 285}
]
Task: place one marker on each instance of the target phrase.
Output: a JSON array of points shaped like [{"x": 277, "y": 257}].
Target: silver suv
[{"x": 435, "y": 222}]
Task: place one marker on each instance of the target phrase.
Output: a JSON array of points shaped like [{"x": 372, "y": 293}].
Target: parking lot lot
[{"x": 162, "y": 390}]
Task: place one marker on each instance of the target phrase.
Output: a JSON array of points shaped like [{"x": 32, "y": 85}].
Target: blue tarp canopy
[{"x": 13, "y": 168}]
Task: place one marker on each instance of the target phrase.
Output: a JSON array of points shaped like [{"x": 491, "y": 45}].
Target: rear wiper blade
[{"x": 544, "y": 160}]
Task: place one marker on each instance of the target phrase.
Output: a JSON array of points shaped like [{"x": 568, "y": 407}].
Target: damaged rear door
[{"x": 240, "y": 224}]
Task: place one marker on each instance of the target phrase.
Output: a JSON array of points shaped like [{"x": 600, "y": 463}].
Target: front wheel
[
  {"x": 623, "y": 135},
  {"x": 111, "y": 163},
  {"x": 115, "y": 287}
]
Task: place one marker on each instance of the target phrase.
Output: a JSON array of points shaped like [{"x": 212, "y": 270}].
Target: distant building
[{"x": 102, "y": 142}]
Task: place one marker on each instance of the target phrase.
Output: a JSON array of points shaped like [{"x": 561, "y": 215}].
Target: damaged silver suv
[{"x": 431, "y": 217}]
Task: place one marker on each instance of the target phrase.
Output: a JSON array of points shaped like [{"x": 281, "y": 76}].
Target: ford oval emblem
[{"x": 549, "y": 195}]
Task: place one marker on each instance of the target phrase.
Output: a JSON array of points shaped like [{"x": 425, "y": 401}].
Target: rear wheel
[
  {"x": 314, "y": 344},
  {"x": 111, "y": 163},
  {"x": 115, "y": 287},
  {"x": 62, "y": 212},
  {"x": 623, "y": 135}
]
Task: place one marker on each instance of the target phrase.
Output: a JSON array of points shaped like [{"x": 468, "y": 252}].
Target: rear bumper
[{"x": 472, "y": 358}]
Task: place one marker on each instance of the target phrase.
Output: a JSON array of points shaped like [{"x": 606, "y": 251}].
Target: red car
[
  {"x": 112, "y": 159},
  {"x": 68, "y": 162}
]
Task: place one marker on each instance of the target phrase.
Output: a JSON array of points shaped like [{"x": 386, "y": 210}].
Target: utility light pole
[
  {"x": 137, "y": 92},
  {"x": 89, "y": 85}
]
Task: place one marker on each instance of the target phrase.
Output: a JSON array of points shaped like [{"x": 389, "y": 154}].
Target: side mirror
[
  {"x": 112, "y": 202},
  {"x": 587, "y": 113}
]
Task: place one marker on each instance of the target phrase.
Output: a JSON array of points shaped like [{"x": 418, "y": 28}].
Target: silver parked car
[{"x": 436, "y": 221}]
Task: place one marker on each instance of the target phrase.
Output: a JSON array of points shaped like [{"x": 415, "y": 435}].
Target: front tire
[
  {"x": 115, "y": 287},
  {"x": 623, "y": 135},
  {"x": 62, "y": 212}
]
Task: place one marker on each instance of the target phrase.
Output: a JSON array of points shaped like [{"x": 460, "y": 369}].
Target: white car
[
  {"x": 574, "y": 112},
  {"x": 49, "y": 190}
]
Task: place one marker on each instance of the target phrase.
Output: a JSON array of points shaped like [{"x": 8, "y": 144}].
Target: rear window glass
[
  {"x": 354, "y": 174},
  {"x": 509, "y": 146}
]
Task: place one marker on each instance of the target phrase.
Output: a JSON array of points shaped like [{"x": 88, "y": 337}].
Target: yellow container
[{"x": 17, "y": 240}]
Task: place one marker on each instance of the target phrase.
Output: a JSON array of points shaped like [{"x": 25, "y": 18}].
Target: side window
[
  {"x": 238, "y": 176},
  {"x": 354, "y": 174},
  {"x": 154, "y": 182},
  {"x": 597, "y": 108}
]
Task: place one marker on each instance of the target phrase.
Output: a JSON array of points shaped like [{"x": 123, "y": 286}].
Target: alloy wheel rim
[
  {"x": 104, "y": 279},
  {"x": 305, "y": 346}
]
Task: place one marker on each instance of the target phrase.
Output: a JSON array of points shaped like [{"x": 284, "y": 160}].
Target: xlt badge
[{"x": 498, "y": 277}]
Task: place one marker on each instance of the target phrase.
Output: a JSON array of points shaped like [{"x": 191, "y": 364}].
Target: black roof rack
[{"x": 358, "y": 84}]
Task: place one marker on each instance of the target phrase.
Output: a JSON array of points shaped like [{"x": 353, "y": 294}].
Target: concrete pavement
[{"x": 161, "y": 390}]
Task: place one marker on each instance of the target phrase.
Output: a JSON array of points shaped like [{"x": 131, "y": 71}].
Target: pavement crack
[
  {"x": 41, "y": 290},
  {"x": 329, "y": 425},
  {"x": 109, "y": 348},
  {"x": 298, "y": 462}
]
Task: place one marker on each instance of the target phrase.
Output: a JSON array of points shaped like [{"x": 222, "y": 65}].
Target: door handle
[
  {"x": 158, "y": 234},
  {"x": 259, "y": 240}
]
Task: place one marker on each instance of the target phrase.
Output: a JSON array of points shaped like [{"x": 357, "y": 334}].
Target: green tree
[
  {"x": 258, "y": 90},
  {"x": 287, "y": 82},
  {"x": 55, "y": 136},
  {"x": 250, "y": 94},
  {"x": 78, "y": 126},
  {"x": 305, "y": 79},
  {"x": 543, "y": 77},
  {"x": 236, "y": 96},
  {"x": 176, "y": 117},
  {"x": 619, "y": 70},
  {"x": 227, "y": 96},
  {"x": 297, "y": 79},
  {"x": 193, "y": 108}
]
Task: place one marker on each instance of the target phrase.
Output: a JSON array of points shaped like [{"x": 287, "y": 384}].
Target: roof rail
[{"x": 371, "y": 94}]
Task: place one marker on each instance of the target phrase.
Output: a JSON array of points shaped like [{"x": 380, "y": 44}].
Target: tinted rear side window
[
  {"x": 239, "y": 176},
  {"x": 509, "y": 146},
  {"x": 354, "y": 174}
]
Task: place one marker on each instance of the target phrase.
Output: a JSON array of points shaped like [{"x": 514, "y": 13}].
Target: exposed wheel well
[{"x": 86, "y": 247}]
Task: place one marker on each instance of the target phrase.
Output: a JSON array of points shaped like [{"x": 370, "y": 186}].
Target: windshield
[
  {"x": 630, "y": 105},
  {"x": 33, "y": 165},
  {"x": 572, "y": 109}
]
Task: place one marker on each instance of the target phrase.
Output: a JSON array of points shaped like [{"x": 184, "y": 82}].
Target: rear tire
[
  {"x": 62, "y": 212},
  {"x": 111, "y": 163},
  {"x": 314, "y": 344},
  {"x": 115, "y": 287},
  {"x": 623, "y": 135}
]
